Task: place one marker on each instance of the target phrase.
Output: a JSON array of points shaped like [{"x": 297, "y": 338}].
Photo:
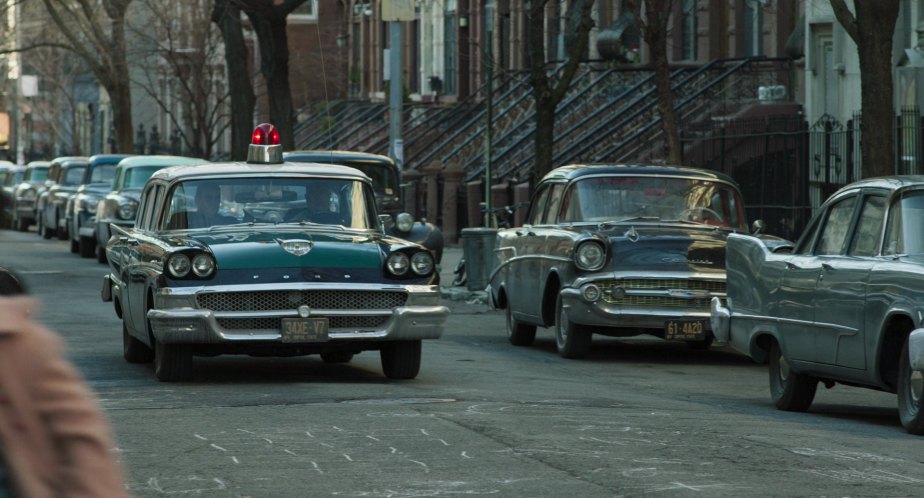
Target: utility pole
[
  {"x": 395, "y": 12},
  {"x": 489, "y": 104}
]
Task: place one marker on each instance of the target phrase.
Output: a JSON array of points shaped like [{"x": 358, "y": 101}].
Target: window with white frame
[
  {"x": 688, "y": 30},
  {"x": 307, "y": 11}
]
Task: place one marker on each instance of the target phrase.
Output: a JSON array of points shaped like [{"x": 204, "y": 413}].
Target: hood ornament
[
  {"x": 298, "y": 247},
  {"x": 632, "y": 234}
]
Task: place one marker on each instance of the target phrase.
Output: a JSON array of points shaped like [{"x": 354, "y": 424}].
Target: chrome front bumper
[
  {"x": 601, "y": 314},
  {"x": 176, "y": 318}
]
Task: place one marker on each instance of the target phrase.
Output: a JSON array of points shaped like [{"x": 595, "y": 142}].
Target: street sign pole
[
  {"x": 489, "y": 106},
  {"x": 395, "y": 12}
]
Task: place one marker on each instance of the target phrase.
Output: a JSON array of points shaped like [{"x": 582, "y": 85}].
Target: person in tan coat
[{"x": 54, "y": 438}]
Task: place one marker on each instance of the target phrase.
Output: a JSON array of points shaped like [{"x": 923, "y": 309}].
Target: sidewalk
[{"x": 451, "y": 256}]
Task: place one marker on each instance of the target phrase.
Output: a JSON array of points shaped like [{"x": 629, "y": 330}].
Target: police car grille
[
  {"x": 289, "y": 300},
  {"x": 665, "y": 284},
  {"x": 334, "y": 322}
]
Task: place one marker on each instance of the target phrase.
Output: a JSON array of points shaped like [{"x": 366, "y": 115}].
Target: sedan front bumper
[{"x": 178, "y": 319}]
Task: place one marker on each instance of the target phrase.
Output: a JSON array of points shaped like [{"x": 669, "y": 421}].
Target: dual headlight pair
[
  {"x": 199, "y": 265},
  {"x": 399, "y": 264}
]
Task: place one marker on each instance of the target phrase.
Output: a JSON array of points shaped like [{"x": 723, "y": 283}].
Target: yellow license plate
[
  {"x": 304, "y": 329},
  {"x": 685, "y": 330}
]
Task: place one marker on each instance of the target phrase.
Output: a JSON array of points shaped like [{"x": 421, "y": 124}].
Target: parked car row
[{"x": 80, "y": 198}]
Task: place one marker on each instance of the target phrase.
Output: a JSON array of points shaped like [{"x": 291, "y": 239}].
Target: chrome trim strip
[{"x": 791, "y": 321}]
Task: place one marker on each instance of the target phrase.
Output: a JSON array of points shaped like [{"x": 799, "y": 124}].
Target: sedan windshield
[
  {"x": 135, "y": 177},
  {"x": 652, "y": 198},
  {"x": 219, "y": 202}
]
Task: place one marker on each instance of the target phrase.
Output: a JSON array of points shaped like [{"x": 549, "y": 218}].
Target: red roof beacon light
[{"x": 264, "y": 145}]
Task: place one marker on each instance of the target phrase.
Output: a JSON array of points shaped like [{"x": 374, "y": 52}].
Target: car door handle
[{"x": 792, "y": 266}]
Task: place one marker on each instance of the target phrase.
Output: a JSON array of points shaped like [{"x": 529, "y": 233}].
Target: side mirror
[
  {"x": 758, "y": 227},
  {"x": 385, "y": 220}
]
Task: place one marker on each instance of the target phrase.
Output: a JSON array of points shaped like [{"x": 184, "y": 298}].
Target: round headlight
[
  {"x": 589, "y": 256},
  {"x": 203, "y": 265},
  {"x": 90, "y": 205},
  {"x": 405, "y": 222},
  {"x": 179, "y": 265},
  {"x": 422, "y": 263},
  {"x": 127, "y": 210},
  {"x": 398, "y": 263}
]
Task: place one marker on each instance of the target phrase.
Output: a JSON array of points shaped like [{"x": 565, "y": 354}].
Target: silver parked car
[
  {"x": 120, "y": 205},
  {"x": 618, "y": 250},
  {"x": 26, "y": 193},
  {"x": 845, "y": 307}
]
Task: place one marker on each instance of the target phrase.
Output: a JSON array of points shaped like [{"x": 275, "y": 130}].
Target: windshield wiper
[
  {"x": 603, "y": 224},
  {"x": 312, "y": 224}
]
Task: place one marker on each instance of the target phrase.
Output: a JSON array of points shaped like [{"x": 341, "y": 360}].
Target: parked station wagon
[
  {"x": 847, "y": 306},
  {"x": 64, "y": 177},
  {"x": 268, "y": 257},
  {"x": 618, "y": 250}
]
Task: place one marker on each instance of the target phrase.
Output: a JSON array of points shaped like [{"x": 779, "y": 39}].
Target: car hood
[
  {"x": 236, "y": 250},
  {"x": 667, "y": 249},
  {"x": 130, "y": 193}
]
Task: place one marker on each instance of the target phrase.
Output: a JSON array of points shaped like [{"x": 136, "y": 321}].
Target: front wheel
[
  {"x": 87, "y": 247},
  {"x": 572, "y": 340},
  {"x": 172, "y": 362},
  {"x": 134, "y": 350},
  {"x": 910, "y": 395},
  {"x": 517, "y": 333},
  {"x": 789, "y": 390},
  {"x": 401, "y": 359}
]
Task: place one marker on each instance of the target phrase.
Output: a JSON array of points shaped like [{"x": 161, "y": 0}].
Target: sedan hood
[
  {"x": 237, "y": 250},
  {"x": 668, "y": 249}
]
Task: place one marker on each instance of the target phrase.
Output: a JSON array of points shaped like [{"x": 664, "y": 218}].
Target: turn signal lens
[
  {"x": 179, "y": 265},
  {"x": 398, "y": 263}
]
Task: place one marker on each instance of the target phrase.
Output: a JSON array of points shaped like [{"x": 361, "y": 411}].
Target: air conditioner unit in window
[{"x": 772, "y": 93}]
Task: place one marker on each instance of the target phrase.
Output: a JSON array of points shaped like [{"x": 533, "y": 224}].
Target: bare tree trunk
[
  {"x": 655, "y": 30},
  {"x": 546, "y": 95},
  {"x": 269, "y": 22},
  {"x": 228, "y": 18},
  {"x": 872, "y": 29}
]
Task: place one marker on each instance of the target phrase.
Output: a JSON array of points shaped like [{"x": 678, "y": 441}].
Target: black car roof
[{"x": 574, "y": 171}]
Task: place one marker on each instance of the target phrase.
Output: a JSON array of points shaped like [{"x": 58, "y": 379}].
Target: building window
[
  {"x": 753, "y": 40},
  {"x": 307, "y": 11},
  {"x": 688, "y": 30},
  {"x": 553, "y": 33},
  {"x": 449, "y": 50}
]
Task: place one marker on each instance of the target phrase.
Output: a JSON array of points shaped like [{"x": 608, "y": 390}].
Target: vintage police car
[
  {"x": 618, "y": 250},
  {"x": 268, "y": 258},
  {"x": 386, "y": 182},
  {"x": 846, "y": 306}
]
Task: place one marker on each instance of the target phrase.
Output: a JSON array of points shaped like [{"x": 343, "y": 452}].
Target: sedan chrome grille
[
  {"x": 288, "y": 300},
  {"x": 662, "y": 293},
  {"x": 335, "y": 322}
]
